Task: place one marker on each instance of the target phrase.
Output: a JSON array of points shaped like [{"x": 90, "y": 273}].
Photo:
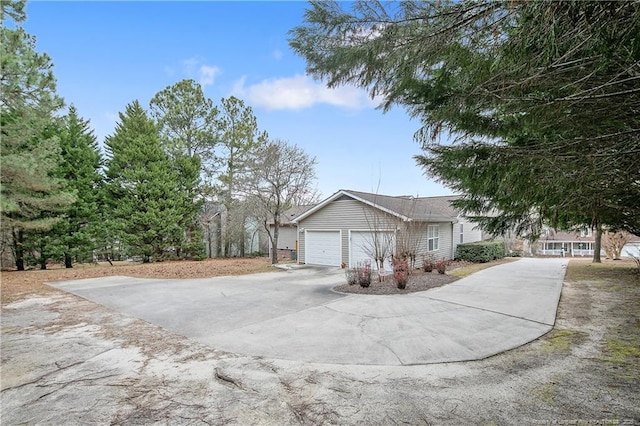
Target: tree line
[{"x": 152, "y": 192}]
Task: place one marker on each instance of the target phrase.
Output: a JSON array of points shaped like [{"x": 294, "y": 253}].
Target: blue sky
[{"x": 108, "y": 54}]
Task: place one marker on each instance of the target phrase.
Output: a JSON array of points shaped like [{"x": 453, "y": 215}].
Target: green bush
[{"x": 484, "y": 251}]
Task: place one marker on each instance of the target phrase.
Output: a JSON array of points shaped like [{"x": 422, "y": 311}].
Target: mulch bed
[{"x": 418, "y": 281}]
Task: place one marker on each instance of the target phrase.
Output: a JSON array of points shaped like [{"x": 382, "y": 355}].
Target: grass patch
[
  {"x": 617, "y": 286},
  {"x": 465, "y": 271},
  {"x": 562, "y": 340},
  {"x": 547, "y": 393},
  {"x": 619, "y": 351},
  {"x": 612, "y": 273}
]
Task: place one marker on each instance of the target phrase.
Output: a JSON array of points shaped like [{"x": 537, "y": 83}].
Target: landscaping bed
[{"x": 420, "y": 280}]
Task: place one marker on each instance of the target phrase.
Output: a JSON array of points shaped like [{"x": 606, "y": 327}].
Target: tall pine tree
[
  {"x": 31, "y": 195},
  {"x": 144, "y": 188},
  {"x": 76, "y": 236}
]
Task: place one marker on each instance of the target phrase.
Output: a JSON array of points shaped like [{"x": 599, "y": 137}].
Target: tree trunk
[
  {"x": 210, "y": 242},
  {"x": 597, "y": 245},
  {"x": 241, "y": 242},
  {"x": 274, "y": 239},
  {"x": 18, "y": 248},
  {"x": 68, "y": 261},
  {"x": 43, "y": 256},
  {"x": 218, "y": 236},
  {"x": 227, "y": 235}
]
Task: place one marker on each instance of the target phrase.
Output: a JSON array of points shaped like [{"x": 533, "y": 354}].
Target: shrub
[
  {"x": 364, "y": 273},
  {"x": 441, "y": 266},
  {"x": 428, "y": 263},
  {"x": 400, "y": 272},
  {"x": 484, "y": 251},
  {"x": 352, "y": 275}
]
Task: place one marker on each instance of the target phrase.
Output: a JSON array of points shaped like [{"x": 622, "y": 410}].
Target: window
[
  {"x": 585, "y": 232},
  {"x": 433, "y": 237},
  {"x": 461, "y": 233}
]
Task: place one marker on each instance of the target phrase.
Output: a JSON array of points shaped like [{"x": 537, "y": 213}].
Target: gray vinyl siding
[
  {"x": 444, "y": 245},
  {"x": 343, "y": 215}
]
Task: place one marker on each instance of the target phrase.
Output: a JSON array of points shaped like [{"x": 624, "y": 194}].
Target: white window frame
[
  {"x": 461, "y": 233},
  {"x": 433, "y": 237}
]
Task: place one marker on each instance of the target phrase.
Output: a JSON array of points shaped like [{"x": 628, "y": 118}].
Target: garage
[
  {"x": 362, "y": 244},
  {"x": 323, "y": 248}
]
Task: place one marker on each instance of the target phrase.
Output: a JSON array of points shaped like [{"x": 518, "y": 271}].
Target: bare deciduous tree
[
  {"x": 278, "y": 177},
  {"x": 614, "y": 242}
]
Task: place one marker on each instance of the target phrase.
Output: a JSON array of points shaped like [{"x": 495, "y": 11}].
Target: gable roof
[
  {"x": 286, "y": 218},
  {"x": 404, "y": 207}
]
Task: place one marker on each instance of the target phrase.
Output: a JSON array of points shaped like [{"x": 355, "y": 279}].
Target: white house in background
[
  {"x": 579, "y": 244},
  {"x": 347, "y": 227}
]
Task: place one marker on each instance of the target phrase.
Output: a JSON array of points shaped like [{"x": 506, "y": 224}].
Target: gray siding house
[
  {"x": 351, "y": 227},
  {"x": 287, "y": 232}
]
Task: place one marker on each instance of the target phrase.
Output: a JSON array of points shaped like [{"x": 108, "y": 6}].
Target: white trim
[
  {"x": 337, "y": 195},
  {"x": 384, "y": 209},
  {"x": 436, "y": 226}
]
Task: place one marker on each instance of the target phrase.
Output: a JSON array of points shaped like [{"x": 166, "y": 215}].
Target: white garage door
[
  {"x": 363, "y": 244},
  {"x": 323, "y": 248}
]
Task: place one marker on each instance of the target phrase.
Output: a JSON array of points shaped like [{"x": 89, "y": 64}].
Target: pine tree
[
  {"x": 239, "y": 138},
  {"x": 538, "y": 100},
  {"x": 144, "y": 188},
  {"x": 31, "y": 194},
  {"x": 76, "y": 235}
]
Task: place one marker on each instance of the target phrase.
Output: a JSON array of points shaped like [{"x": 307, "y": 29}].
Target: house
[
  {"x": 579, "y": 244},
  {"x": 351, "y": 227},
  {"x": 288, "y": 232}
]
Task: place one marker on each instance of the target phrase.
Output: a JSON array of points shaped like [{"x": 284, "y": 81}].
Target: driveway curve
[{"x": 294, "y": 315}]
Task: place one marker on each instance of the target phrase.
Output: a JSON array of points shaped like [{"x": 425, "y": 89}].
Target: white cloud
[
  {"x": 196, "y": 68},
  {"x": 299, "y": 92},
  {"x": 207, "y": 74}
]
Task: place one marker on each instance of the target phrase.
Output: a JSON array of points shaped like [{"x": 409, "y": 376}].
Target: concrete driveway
[{"x": 294, "y": 315}]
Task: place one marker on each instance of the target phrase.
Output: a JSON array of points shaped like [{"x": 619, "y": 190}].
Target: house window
[
  {"x": 461, "y": 233},
  {"x": 585, "y": 232},
  {"x": 433, "y": 237}
]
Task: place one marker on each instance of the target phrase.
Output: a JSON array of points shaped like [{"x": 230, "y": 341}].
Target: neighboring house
[
  {"x": 351, "y": 227},
  {"x": 579, "y": 244},
  {"x": 288, "y": 232}
]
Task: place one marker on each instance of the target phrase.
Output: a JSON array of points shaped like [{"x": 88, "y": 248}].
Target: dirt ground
[
  {"x": 66, "y": 360},
  {"x": 16, "y": 285}
]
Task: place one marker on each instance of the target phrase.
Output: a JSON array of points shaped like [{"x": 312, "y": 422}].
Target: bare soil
[{"x": 66, "y": 360}]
